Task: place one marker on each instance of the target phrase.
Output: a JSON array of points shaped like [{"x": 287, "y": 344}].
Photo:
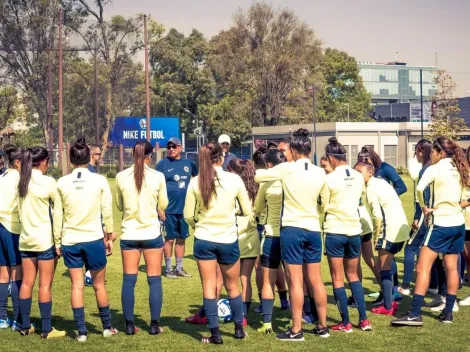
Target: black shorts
[
  {"x": 366, "y": 238},
  {"x": 467, "y": 235}
]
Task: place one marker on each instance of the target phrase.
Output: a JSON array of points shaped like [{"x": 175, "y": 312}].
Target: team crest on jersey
[
  {"x": 143, "y": 123},
  {"x": 177, "y": 178},
  {"x": 186, "y": 169}
]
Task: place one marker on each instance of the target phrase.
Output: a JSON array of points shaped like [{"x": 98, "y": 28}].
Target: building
[
  {"x": 394, "y": 142},
  {"x": 396, "y": 82}
]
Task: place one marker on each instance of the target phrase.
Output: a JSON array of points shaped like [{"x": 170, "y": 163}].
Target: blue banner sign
[{"x": 129, "y": 130}]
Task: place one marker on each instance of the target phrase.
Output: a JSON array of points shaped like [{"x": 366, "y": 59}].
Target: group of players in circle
[{"x": 278, "y": 213}]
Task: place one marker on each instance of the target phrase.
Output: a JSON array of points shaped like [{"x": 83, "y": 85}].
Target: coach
[
  {"x": 178, "y": 173},
  {"x": 224, "y": 141}
]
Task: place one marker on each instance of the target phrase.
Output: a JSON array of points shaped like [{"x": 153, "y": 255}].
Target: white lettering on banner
[
  {"x": 130, "y": 134},
  {"x": 153, "y": 134}
]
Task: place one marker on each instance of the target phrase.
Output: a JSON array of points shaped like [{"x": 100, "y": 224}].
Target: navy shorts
[
  {"x": 46, "y": 255},
  {"x": 224, "y": 253},
  {"x": 366, "y": 238},
  {"x": 342, "y": 246},
  {"x": 156, "y": 243},
  {"x": 446, "y": 240},
  {"x": 9, "y": 248},
  {"x": 176, "y": 227},
  {"x": 271, "y": 252},
  {"x": 260, "y": 229},
  {"x": 300, "y": 246},
  {"x": 392, "y": 248},
  {"x": 92, "y": 255}
]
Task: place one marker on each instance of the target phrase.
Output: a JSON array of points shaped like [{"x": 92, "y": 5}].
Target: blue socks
[
  {"x": 155, "y": 296},
  {"x": 79, "y": 317},
  {"x": 179, "y": 264},
  {"x": 25, "y": 311},
  {"x": 387, "y": 288},
  {"x": 3, "y": 301},
  {"x": 267, "y": 306},
  {"x": 127, "y": 295},
  {"x": 168, "y": 264},
  {"x": 246, "y": 308},
  {"x": 313, "y": 309},
  {"x": 46, "y": 314},
  {"x": 450, "y": 301},
  {"x": 342, "y": 303},
  {"x": 105, "y": 316},
  {"x": 306, "y": 306},
  {"x": 15, "y": 299},
  {"x": 358, "y": 294},
  {"x": 236, "y": 304},
  {"x": 416, "y": 304},
  {"x": 210, "y": 307}
]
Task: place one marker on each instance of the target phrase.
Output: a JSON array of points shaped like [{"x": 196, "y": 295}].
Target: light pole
[
  {"x": 347, "y": 104},
  {"x": 198, "y": 131},
  {"x": 312, "y": 90}
]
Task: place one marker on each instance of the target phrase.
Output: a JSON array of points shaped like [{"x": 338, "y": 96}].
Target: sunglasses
[{"x": 172, "y": 146}]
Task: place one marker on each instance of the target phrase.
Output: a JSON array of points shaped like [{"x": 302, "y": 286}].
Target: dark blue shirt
[
  {"x": 91, "y": 168},
  {"x": 389, "y": 174},
  {"x": 177, "y": 173},
  {"x": 427, "y": 195},
  {"x": 3, "y": 170},
  {"x": 229, "y": 156}
]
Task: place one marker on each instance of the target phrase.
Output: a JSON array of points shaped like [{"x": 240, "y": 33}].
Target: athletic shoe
[
  {"x": 433, "y": 291},
  {"x": 245, "y": 321},
  {"x": 397, "y": 296},
  {"x": 155, "y": 329},
  {"x": 30, "y": 331},
  {"x": 437, "y": 301},
  {"x": 239, "y": 332},
  {"x": 455, "y": 308},
  {"x": 5, "y": 324},
  {"x": 465, "y": 302},
  {"x": 15, "y": 326},
  {"x": 365, "y": 325},
  {"x": 259, "y": 309},
  {"x": 216, "y": 340},
  {"x": 289, "y": 336},
  {"x": 130, "y": 328},
  {"x": 404, "y": 291},
  {"x": 321, "y": 332},
  {"x": 109, "y": 332},
  {"x": 383, "y": 311},
  {"x": 196, "y": 319},
  {"x": 341, "y": 327},
  {"x": 446, "y": 318},
  {"x": 408, "y": 320},
  {"x": 182, "y": 273},
  {"x": 378, "y": 302},
  {"x": 171, "y": 274},
  {"x": 53, "y": 334},
  {"x": 267, "y": 328},
  {"x": 352, "y": 302},
  {"x": 285, "y": 304},
  {"x": 82, "y": 338}
]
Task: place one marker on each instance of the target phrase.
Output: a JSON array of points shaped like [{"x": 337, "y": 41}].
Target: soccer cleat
[
  {"x": 433, "y": 291},
  {"x": 290, "y": 336},
  {"x": 465, "y": 302},
  {"x": 155, "y": 329},
  {"x": 30, "y": 331},
  {"x": 404, "y": 291},
  {"x": 130, "y": 328},
  {"x": 321, "y": 332},
  {"x": 239, "y": 332},
  {"x": 171, "y": 274},
  {"x": 15, "y": 326},
  {"x": 436, "y": 302},
  {"x": 384, "y": 311},
  {"x": 182, "y": 273},
  {"x": 446, "y": 318},
  {"x": 196, "y": 319},
  {"x": 341, "y": 327},
  {"x": 216, "y": 340},
  {"x": 365, "y": 325},
  {"x": 53, "y": 334},
  {"x": 109, "y": 332},
  {"x": 82, "y": 338},
  {"x": 267, "y": 328},
  {"x": 245, "y": 321},
  {"x": 408, "y": 320},
  {"x": 5, "y": 324},
  {"x": 259, "y": 309},
  {"x": 285, "y": 305}
]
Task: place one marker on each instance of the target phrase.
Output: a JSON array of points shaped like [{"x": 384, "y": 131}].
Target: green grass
[{"x": 183, "y": 296}]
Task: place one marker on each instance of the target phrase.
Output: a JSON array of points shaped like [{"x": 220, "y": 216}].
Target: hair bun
[
  {"x": 262, "y": 149},
  {"x": 333, "y": 141},
  {"x": 9, "y": 148},
  {"x": 81, "y": 143},
  {"x": 302, "y": 132}
]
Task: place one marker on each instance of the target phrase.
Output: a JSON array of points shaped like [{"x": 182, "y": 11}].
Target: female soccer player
[
  {"x": 391, "y": 230},
  {"x": 423, "y": 155},
  {"x": 140, "y": 193},
  {"x": 10, "y": 229},
  {"x": 343, "y": 228},
  {"x": 36, "y": 194},
  {"x": 304, "y": 197},
  {"x": 210, "y": 210},
  {"x": 248, "y": 237},
  {"x": 446, "y": 235},
  {"x": 465, "y": 203},
  {"x": 84, "y": 198}
]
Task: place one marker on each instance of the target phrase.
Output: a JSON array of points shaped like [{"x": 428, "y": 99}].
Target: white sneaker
[
  {"x": 82, "y": 338},
  {"x": 109, "y": 332},
  {"x": 404, "y": 291},
  {"x": 456, "y": 307},
  {"x": 443, "y": 305},
  {"x": 465, "y": 302},
  {"x": 433, "y": 291}
]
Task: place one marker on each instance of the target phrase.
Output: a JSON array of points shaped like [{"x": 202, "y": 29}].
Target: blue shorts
[
  {"x": 156, "y": 243},
  {"x": 9, "y": 248},
  {"x": 176, "y": 227},
  {"x": 392, "y": 248},
  {"x": 366, "y": 238},
  {"x": 271, "y": 252},
  {"x": 92, "y": 255},
  {"x": 260, "y": 229},
  {"x": 342, "y": 246},
  {"x": 224, "y": 253},
  {"x": 299, "y": 246},
  {"x": 446, "y": 240},
  {"x": 46, "y": 255}
]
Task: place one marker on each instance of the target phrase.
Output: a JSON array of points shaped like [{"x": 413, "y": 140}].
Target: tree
[
  {"x": 445, "y": 120},
  {"x": 10, "y": 108}
]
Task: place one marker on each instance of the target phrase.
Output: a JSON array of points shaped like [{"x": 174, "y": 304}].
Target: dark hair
[
  {"x": 324, "y": 158},
  {"x": 287, "y": 140},
  {"x": 425, "y": 146},
  {"x": 141, "y": 150},
  {"x": 301, "y": 142},
  {"x": 368, "y": 154},
  {"x": 275, "y": 157},
  {"x": 79, "y": 152},
  {"x": 93, "y": 146},
  {"x": 369, "y": 166},
  {"x": 259, "y": 157},
  {"x": 30, "y": 158},
  {"x": 209, "y": 154},
  {"x": 453, "y": 151},
  {"x": 246, "y": 170},
  {"x": 13, "y": 153},
  {"x": 335, "y": 150}
]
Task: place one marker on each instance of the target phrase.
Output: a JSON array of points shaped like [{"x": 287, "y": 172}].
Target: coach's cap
[
  {"x": 174, "y": 140},
  {"x": 224, "y": 139}
]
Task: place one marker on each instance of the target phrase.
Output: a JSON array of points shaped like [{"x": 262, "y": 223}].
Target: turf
[{"x": 183, "y": 296}]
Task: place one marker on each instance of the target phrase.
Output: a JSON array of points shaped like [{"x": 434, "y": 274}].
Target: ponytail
[
  {"x": 141, "y": 151},
  {"x": 453, "y": 151},
  {"x": 209, "y": 154},
  {"x": 31, "y": 157}
]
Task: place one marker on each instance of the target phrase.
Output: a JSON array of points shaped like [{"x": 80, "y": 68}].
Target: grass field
[{"x": 183, "y": 296}]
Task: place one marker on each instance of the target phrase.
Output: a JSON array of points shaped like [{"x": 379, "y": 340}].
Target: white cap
[{"x": 224, "y": 139}]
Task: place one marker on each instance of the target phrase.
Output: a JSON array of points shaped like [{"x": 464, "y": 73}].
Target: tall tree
[{"x": 10, "y": 105}]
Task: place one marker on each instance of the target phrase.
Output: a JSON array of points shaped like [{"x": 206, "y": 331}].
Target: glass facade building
[{"x": 395, "y": 82}]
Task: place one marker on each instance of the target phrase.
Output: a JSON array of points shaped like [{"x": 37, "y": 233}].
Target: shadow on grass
[
  {"x": 118, "y": 321},
  {"x": 197, "y": 332},
  {"x": 66, "y": 325}
]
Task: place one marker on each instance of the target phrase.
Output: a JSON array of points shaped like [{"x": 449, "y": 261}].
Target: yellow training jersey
[
  {"x": 269, "y": 200},
  {"x": 304, "y": 192},
  {"x": 35, "y": 213},
  {"x": 217, "y": 223},
  {"x": 346, "y": 186},
  {"x": 9, "y": 216},
  {"x": 446, "y": 192},
  {"x": 83, "y": 198},
  {"x": 248, "y": 236},
  {"x": 140, "y": 217},
  {"x": 387, "y": 210}
]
